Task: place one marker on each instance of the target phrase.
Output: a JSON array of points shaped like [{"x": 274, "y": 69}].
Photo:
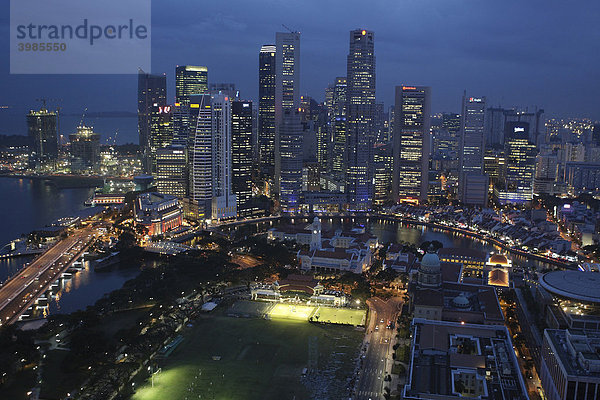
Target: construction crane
[
  {"x": 289, "y": 30},
  {"x": 82, "y": 117}
]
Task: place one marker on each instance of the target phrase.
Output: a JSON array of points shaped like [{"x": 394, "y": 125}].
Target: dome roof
[
  {"x": 461, "y": 301},
  {"x": 498, "y": 259},
  {"x": 430, "y": 262}
]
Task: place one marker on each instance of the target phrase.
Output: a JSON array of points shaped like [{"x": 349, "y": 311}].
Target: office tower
[
  {"x": 85, "y": 150},
  {"x": 520, "y": 165},
  {"x": 201, "y": 155},
  {"x": 172, "y": 170},
  {"x": 228, "y": 89},
  {"x": 494, "y": 127},
  {"x": 473, "y": 183},
  {"x": 42, "y": 131},
  {"x": 161, "y": 132},
  {"x": 311, "y": 176},
  {"x": 211, "y": 158},
  {"x": 569, "y": 364},
  {"x": 378, "y": 125},
  {"x": 189, "y": 80},
  {"x": 494, "y": 165},
  {"x": 183, "y": 124},
  {"x": 390, "y": 132},
  {"x": 241, "y": 154},
  {"x": 383, "y": 173},
  {"x": 291, "y": 159},
  {"x": 152, "y": 92},
  {"x": 360, "y": 99},
  {"x": 223, "y": 200},
  {"x": 472, "y": 135},
  {"x": 337, "y": 111},
  {"x": 411, "y": 143},
  {"x": 546, "y": 173},
  {"x": 596, "y": 135},
  {"x": 287, "y": 86},
  {"x": 266, "y": 109},
  {"x": 452, "y": 122}
]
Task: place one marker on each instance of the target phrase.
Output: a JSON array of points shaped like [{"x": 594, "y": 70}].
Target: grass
[
  {"x": 291, "y": 311},
  {"x": 344, "y": 316},
  {"x": 260, "y": 359}
]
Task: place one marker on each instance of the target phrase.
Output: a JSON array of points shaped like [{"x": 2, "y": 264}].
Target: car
[
  {"x": 377, "y": 328},
  {"x": 381, "y": 321}
]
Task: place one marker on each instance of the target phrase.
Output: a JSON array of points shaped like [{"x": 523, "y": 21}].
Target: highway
[
  {"x": 18, "y": 293},
  {"x": 377, "y": 361}
]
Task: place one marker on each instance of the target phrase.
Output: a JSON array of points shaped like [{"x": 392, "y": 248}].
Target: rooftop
[
  {"x": 445, "y": 352},
  {"x": 578, "y": 285}
]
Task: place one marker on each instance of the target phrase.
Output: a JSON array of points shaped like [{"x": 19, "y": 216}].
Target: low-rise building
[
  {"x": 158, "y": 213},
  {"x": 570, "y": 368},
  {"x": 456, "y": 360}
]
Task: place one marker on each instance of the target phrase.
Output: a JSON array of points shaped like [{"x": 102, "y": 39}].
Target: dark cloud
[{"x": 530, "y": 52}]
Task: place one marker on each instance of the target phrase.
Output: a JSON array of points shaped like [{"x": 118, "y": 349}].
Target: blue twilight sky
[{"x": 515, "y": 52}]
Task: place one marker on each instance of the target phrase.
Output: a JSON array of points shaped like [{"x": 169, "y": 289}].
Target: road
[
  {"x": 17, "y": 294},
  {"x": 377, "y": 361}
]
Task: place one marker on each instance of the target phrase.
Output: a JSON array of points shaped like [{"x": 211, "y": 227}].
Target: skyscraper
[
  {"x": 152, "y": 92},
  {"x": 473, "y": 185},
  {"x": 242, "y": 161},
  {"x": 337, "y": 123},
  {"x": 201, "y": 155},
  {"x": 85, "y": 150},
  {"x": 161, "y": 132},
  {"x": 472, "y": 134},
  {"x": 266, "y": 109},
  {"x": 287, "y": 86},
  {"x": 411, "y": 143},
  {"x": 211, "y": 157},
  {"x": 223, "y": 200},
  {"x": 42, "y": 131},
  {"x": 171, "y": 170},
  {"x": 189, "y": 80},
  {"x": 520, "y": 165},
  {"x": 360, "y": 119},
  {"x": 291, "y": 159}
]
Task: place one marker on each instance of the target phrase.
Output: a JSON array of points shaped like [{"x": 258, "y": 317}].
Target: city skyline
[{"x": 522, "y": 74}]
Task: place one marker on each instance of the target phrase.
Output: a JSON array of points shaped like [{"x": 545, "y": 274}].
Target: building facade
[
  {"x": 360, "y": 99},
  {"x": 411, "y": 143},
  {"x": 152, "y": 93}
]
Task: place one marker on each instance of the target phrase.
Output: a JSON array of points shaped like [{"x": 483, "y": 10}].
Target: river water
[
  {"x": 27, "y": 205},
  {"x": 31, "y": 204}
]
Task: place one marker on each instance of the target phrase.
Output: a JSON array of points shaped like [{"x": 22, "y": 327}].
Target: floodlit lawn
[
  {"x": 260, "y": 359},
  {"x": 345, "y": 316},
  {"x": 291, "y": 311}
]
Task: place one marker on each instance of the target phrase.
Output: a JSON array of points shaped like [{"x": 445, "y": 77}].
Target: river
[{"x": 30, "y": 204}]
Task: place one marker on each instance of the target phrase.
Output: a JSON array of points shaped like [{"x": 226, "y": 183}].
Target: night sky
[{"x": 517, "y": 53}]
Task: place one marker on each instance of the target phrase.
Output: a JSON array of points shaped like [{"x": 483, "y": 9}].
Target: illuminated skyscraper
[
  {"x": 287, "y": 86},
  {"x": 411, "y": 143},
  {"x": 520, "y": 165},
  {"x": 242, "y": 161},
  {"x": 472, "y": 134},
  {"x": 42, "y": 130},
  {"x": 291, "y": 159},
  {"x": 212, "y": 158},
  {"x": 152, "y": 92},
  {"x": 360, "y": 119},
  {"x": 473, "y": 183},
  {"x": 189, "y": 80},
  {"x": 201, "y": 155},
  {"x": 161, "y": 132},
  {"x": 171, "y": 170},
  {"x": 85, "y": 150},
  {"x": 266, "y": 109},
  {"x": 337, "y": 111}
]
